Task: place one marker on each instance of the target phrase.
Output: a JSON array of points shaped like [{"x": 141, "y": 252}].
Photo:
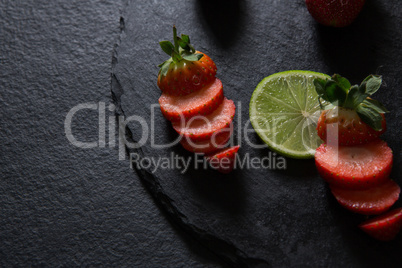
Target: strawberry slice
[
  {"x": 355, "y": 167},
  {"x": 224, "y": 160},
  {"x": 201, "y": 102},
  {"x": 216, "y": 142},
  {"x": 384, "y": 227},
  {"x": 372, "y": 201},
  {"x": 203, "y": 127}
]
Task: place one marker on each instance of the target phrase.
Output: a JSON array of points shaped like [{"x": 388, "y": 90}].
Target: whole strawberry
[
  {"x": 352, "y": 117},
  {"x": 336, "y": 13},
  {"x": 187, "y": 70}
]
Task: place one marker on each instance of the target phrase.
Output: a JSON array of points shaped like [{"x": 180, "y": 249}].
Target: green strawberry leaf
[
  {"x": 354, "y": 97},
  {"x": 193, "y": 57},
  {"x": 341, "y": 81},
  {"x": 176, "y": 56},
  {"x": 350, "y": 98},
  {"x": 320, "y": 89},
  {"x": 319, "y": 86},
  {"x": 185, "y": 38},
  {"x": 191, "y": 48},
  {"x": 370, "y": 116},
  {"x": 178, "y": 50},
  {"x": 335, "y": 94},
  {"x": 184, "y": 43},
  {"x": 160, "y": 65},
  {"x": 165, "y": 67},
  {"x": 375, "y": 105},
  {"x": 373, "y": 83},
  {"x": 167, "y": 47},
  {"x": 181, "y": 43}
]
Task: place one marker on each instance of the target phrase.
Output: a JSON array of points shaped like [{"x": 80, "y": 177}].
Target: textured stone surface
[
  {"x": 259, "y": 216},
  {"x": 62, "y": 206}
]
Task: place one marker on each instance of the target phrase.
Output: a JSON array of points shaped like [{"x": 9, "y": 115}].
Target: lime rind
[{"x": 284, "y": 110}]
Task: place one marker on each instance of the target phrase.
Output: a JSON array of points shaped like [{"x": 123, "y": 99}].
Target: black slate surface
[
  {"x": 259, "y": 216},
  {"x": 63, "y": 206}
]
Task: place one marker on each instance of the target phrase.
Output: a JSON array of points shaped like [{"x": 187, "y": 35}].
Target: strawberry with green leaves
[
  {"x": 351, "y": 117},
  {"x": 187, "y": 70}
]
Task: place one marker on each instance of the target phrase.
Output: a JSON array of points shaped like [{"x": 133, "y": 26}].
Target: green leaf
[
  {"x": 361, "y": 95},
  {"x": 341, "y": 81},
  {"x": 320, "y": 89},
  {"x": 193, "y": 57},
  {"x": 191, "y": 48},
  {"x": 335, "y": 94},
  {"x": 165, "y": 67},
  {"x": 373, "y": 84},
  {"x": 160, "y": 65},
  {"x": 354, "y": 97},
  {"x": 375, "y": 105},
  {"x": 350, "y": 98},
  {"x": 185, "y": 38},
  {"x": 370, "y": 116},
  {"x": 319, "y": 86},
  {"x": 176, "y": 56},
  {"x": 176, "y": 44},
  {"x": 167, "y": 47},
  {"x": 362, "y": 87},
  {"x": 182, "y": 44}
]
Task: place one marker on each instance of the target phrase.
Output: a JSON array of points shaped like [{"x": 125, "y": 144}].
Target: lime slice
[{"x": 284, "y": 111}]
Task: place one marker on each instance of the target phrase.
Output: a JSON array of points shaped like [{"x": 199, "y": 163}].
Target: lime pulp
[{"x": 284, "y": 111}]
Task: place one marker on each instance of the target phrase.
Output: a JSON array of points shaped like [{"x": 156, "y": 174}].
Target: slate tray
[{"x": 258, "y": 217}]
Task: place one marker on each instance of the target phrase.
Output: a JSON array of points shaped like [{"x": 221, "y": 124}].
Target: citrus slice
[{"x": 284, "y": 111}]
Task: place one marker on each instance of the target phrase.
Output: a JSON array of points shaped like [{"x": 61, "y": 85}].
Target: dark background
[{"x": 62, "y": 205}]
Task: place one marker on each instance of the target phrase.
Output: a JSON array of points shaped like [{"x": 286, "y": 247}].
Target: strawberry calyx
[
  {"x": 180, "y": 50},
  {"x": 338, "y": 91}
]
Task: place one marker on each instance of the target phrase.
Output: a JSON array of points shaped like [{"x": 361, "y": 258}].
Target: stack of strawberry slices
[
  {"x": 353, "y": 159},
  {"x": 193, "y": 100}
]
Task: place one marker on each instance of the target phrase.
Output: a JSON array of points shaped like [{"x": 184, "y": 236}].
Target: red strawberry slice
[
  {"x": 355, "y": 167},
  {"x": 224, "y": 161},
  {"x": 201, "y": 102},
  {"x": 384, "y": 227},
  {"x": 372, "y": 201},
  {"x": 203, "y": 127},
  {"x": 216, "y": 142}
]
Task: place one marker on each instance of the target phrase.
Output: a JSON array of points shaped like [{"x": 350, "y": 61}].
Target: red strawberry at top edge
[
  {"x": 355, "y": 167},
  {"x": 351, "y": 116},
  {"x": 336, "y": 13},
  {"x": 187, "y": 70},
  {"x": 384, "y": 227}
]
